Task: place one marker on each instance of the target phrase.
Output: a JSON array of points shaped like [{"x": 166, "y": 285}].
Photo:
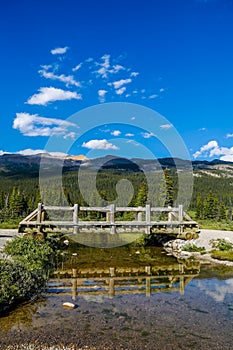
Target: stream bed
[{"x": 126, "y": 298}]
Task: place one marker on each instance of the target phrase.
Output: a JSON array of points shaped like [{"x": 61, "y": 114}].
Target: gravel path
[
  {"x": 7, "y": 235},
  {"x": 206, "y": 235}
]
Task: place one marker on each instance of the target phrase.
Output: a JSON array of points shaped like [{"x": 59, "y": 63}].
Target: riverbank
[
  {"x": 7, "y": 235},
  {"x": 205, "y": 236},
  {"x": 175, "y": 247}
]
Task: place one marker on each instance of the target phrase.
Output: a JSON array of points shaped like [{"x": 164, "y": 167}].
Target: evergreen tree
[
  {"x": 199, "y": 207},
  {"x": 222, "y": 211},
  {"x": 17, "y": 204},
  {"x": 169, "y": 189},
  {"x": 210, "y": 209},
  {"x": 230, "y": 211},
  {"x": 141, "y": 199}
]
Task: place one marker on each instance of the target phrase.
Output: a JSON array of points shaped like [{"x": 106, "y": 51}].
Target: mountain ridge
[{"x": 11, "y": 164}]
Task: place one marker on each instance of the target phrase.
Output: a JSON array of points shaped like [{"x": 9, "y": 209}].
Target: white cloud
[
  {"x": 153, "y": 96},
  {"x": 31, "y": 152},
  {"x": 228, "y": 136},
  {"x": 104, "y": 66},
  {"x": 134, "y": 74},
  {"x": 117, "y": 84},
  {"x": 202, "y": 129},
  {"x": 116, "y": 132},
  {"x": 166, "y": 126},
  {"x": 34, "y": 125},
  {"x": 147, "y": 135},
  {"x": 67, "y": 79},
  {"x": 121, "y": 90},
  {"x": 161, "y": 90},
  {"x": 116, "y": 68},
  {"x": 77, "y": 67},
  {"x": 59, "y": 50},
  {"x": 101, "y": 94},
  {"x": 51, "y": 94},
  {"x": 89, "y": 59},
  {"x": 212, "y": 149},
  {"x": 133, "y": 142},
  {"x": 129, "y": 134},
  {"x": 70, "y": 135},
  {"x": 99, "y": 144}
]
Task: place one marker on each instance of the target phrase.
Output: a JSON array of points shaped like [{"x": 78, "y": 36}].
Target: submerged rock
[{"x": 68, "y": 305}]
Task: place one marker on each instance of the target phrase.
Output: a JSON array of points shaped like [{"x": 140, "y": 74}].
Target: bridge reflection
[{"x": 123, "y": 280}]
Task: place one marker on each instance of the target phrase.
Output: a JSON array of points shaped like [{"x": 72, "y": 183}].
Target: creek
[{"x": 126, "y": 298}]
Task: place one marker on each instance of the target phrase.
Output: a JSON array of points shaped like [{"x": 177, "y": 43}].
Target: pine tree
[
  {"x": 210, "y": 209},
  {"x": 17, "y": 203},
  {"x": 230, "y": 211},
  {"x": 222, "y": 211},
  {"x": 169, "y": 189},
  {"x": 199, "y": 207},
  {"x": 141, "y": 199}
]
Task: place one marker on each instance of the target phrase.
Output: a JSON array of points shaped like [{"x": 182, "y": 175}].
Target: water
[{"x": 148, "y": 301}]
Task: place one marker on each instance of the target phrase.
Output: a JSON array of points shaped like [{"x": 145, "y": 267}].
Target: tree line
[{"x": 211, "y": 199}]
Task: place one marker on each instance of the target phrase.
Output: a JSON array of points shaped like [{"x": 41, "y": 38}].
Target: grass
[
  {"x": 222, "y": 254},
  {"x": 6, "y": 225},
  {"x": 215, "y": 225}
]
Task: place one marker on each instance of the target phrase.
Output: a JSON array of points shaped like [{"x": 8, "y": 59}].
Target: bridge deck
[{"x": 175, "y": 219}]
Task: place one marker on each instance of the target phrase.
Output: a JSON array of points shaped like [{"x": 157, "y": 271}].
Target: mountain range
[{"x": 29, "y": 165}]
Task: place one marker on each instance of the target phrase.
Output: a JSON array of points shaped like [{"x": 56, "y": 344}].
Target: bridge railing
[{"x": 143, "y": 217}]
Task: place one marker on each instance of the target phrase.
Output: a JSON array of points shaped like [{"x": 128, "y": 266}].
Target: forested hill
[
  {"x": 20, "y": 192},
  {"x": 16, "y": 164}
]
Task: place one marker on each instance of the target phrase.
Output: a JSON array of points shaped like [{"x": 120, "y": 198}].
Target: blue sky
[{"x": 59, "y": 57}]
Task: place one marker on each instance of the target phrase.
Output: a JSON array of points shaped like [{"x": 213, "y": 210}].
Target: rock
[{"x": 68, "y": 305}]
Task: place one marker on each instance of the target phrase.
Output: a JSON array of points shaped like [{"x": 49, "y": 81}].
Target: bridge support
[
  {"x": 75, "y": 219},
  {"x": 112, "y": 219}
]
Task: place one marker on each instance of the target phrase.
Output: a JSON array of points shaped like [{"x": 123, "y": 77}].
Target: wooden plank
[
  {"x": 31, "y": 216},
  {"x": 54, "y": 208}
]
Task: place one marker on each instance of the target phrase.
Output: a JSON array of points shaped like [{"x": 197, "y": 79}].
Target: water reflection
[
  {"x": 216, "y": 291},
  {"x": 111, "y": 281}
]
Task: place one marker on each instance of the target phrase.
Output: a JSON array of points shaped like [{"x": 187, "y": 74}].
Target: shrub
[
  {"x": 32, "y": 253},
  {"x": 221, "y": 244},
  {"x": 193, "y": 248},
  {"x": 25, "y": 275},
  {"x": 18, "y": 283}
]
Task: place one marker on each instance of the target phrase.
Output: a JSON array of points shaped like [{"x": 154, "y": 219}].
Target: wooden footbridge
[{"x": 110, "y": 219}]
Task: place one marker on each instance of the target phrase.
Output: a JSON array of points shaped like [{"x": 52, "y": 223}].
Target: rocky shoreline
[{"x": 175, "y": 247}]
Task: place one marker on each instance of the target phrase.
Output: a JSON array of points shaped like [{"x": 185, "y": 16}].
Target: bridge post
[
  {"x": 148, "y": 286},
  {"x": 111, "y": 288},
  {"x": 112, "y": 219},
  {"x": 170, "y": 214},
  {"x": 180, "y": 213},
  {"x": 75, "y": 218},
  {"x": 148, "y": 209},
  {"x": 39, "y": 217},
  {"x": 39, "y": 213},
  {"x": 74, "y": 288},
  {"x": 140, "y": 215}
]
